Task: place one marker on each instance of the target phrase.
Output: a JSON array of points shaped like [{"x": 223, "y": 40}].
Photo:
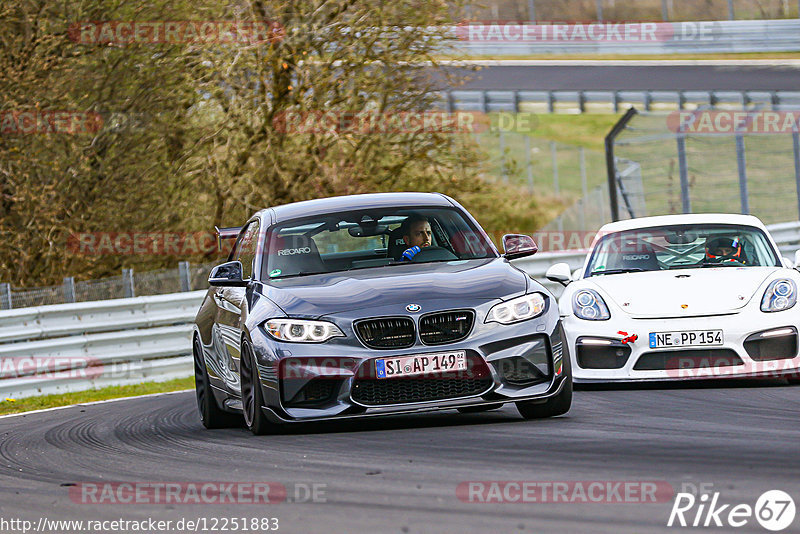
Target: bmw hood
[
  {"x": 454, "y": 284},
  {"x": 684, "y": 292}
]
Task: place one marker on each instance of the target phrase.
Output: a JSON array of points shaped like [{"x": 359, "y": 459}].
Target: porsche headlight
[
  {"x": 302, "y": 330},
  {"x": 780, "y": 295},
  {"x": 518, "y": 309},
  {"x": 589, "y": 305}
]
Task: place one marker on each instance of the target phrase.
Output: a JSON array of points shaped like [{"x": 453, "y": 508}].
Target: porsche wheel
[
  {"x": 252, "y": 399},
  {"x": 211, "y": 415}
]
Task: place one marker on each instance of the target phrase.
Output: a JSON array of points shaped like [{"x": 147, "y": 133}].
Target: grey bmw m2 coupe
[{"x": 374, "y": 304}]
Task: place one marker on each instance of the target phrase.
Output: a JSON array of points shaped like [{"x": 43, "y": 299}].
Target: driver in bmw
[
  {"x": 724, "y": 250},
  {"x": 416, "y": 235}
]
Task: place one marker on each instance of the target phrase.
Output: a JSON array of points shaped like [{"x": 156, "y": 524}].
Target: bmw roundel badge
[{"x": 413, "y": 308}]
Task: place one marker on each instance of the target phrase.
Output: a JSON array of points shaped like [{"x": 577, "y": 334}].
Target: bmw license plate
[
  {"x": 418, "y": 365},
  {"x": 690, "y": 338}
]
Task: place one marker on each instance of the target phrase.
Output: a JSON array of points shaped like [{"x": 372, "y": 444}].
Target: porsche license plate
[
  {"x": 690, "y": 338},
  {"x": 421, "y": 364}
]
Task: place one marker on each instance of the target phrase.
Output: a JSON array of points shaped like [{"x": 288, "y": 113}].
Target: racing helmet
[{"x": 724, "y": 249}]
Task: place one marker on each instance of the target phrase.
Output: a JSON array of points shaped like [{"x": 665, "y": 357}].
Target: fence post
[
  {"x": 664, "y": 11},
  {"x": 5, "y": 296},
  {"x": 69, "y": 289},
  {"x": 686, "y": 204},
  {"x": 503, "y": 168},
  {"x": 127, "y": 283},
  {"x": 529, "y": 161},
  {"x": 741, "y": 164},
  {"x": 599, "y": 10},
  {"x": 531, "y": 11},
  {"x": 731, "y": 14},
  {"x": 584, "y": 187},
  {"x": 183, "y": 273},
  {"x": 554, "y": 155},
  {"x": 796, "y": 151}
]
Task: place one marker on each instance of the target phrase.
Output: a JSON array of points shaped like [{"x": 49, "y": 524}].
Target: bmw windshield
[
  {"x": 379, "y": 238},
  {"x": 682, "y": 247}
]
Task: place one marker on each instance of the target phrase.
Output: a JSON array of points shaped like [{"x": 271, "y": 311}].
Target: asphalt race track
[
  {"x": 634, "y": 78},
  {"x": 400, "y": 474}
]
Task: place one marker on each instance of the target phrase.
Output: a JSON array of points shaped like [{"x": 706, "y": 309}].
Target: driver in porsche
[
  {"x": 416, "y": 235},
  {"x": 725, "y": 250}
]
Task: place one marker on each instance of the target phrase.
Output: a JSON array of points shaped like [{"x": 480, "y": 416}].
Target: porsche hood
[{"x": 684, "y": 292}]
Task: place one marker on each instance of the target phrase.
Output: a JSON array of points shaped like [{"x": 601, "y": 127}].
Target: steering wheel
[{"x": 433, "y": 254}]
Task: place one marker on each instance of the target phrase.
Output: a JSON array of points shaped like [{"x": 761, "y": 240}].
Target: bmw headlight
[
  {"x": 780, "y": 295},
  {"x": 518, "y": 309},
  {"x": 588, "y": 304},
  {"x": 302, "y": 330}
]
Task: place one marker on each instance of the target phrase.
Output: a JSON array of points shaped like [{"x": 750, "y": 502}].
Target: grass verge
[{"x": 28, "y": 404}]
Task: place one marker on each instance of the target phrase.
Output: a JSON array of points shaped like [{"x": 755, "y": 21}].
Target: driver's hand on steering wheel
[{"x": 409, "y": 253}]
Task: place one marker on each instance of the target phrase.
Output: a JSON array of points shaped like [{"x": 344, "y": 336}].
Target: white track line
[{"x": 94, "y": 402}]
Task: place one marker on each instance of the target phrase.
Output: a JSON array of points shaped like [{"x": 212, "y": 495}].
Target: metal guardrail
[
  {"x": 606, "y": 101},
  {"x": 707, "y": 37},
  {"x": 73, "y": 347}
]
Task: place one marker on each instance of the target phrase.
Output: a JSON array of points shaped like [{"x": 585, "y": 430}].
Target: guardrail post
[
  {"x": 648, "y": 99},
  {"x": 183, "y": 273},
  {"x": 582, "y": 101},
  {"x": 5, "y": 296},
  {"x": 551, "y": 102},
  {"x": 451, "y": 102},
  {"x": 516, "y": 101},
  {"x": 683, "y": 168},
  {"x": 69, "y": 289},
  {"x": 484, "y": 102},
  {"x": 615, "y": 103},
  {"x": 745, "y": 99},
  {"x": 775, "y": 100},
  {"x": 712, "y": 99},
  {"x": 681, "y": 100},
  {"x": 127, "y": 283},
  {"x": 741, "y": 164}
]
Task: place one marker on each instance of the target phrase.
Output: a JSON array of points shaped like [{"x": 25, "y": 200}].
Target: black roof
[{"x": 321, "y": 206}]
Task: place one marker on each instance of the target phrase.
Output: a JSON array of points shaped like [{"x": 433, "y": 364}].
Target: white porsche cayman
[{"x": 681, "y": 297}]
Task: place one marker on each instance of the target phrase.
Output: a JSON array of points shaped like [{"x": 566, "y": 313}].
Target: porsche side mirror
[
  {"x": 519, "y": 246},
  {"x": 227, "y": 274},
  {"x": 560, "y": 272},
  {"x": 787, "y": 263}
]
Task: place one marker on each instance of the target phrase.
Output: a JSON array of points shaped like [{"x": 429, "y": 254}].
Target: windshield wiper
[
  {"x": 619, "y": 271},
  {"x": 301, "y": 273},
  {"x": 730, "y": 264}
]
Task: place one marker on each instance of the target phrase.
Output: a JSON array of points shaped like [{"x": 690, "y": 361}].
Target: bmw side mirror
[
  {"x": 519, "y": 246},
  {"x": 227, "y": 274},
  {"x": 560, "y": 272}
]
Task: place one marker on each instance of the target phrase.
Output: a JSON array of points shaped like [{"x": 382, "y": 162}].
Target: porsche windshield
[
  {"x": 380, "y": 238},
  {"x": 681, "y": 247}
]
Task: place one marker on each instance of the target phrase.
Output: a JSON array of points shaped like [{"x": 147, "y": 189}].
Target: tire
[
  {"x": 252, "y": 398},
  {"x": 557, "y": 405},
  {"x": 211, "y": 415},
  {"x": 479, "y": 409}
]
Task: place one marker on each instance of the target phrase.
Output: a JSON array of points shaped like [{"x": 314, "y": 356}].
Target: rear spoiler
[{"x": 226, "y": 233}]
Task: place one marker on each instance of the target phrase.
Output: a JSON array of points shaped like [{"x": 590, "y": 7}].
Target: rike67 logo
[{"x": 774, "y": 510}]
